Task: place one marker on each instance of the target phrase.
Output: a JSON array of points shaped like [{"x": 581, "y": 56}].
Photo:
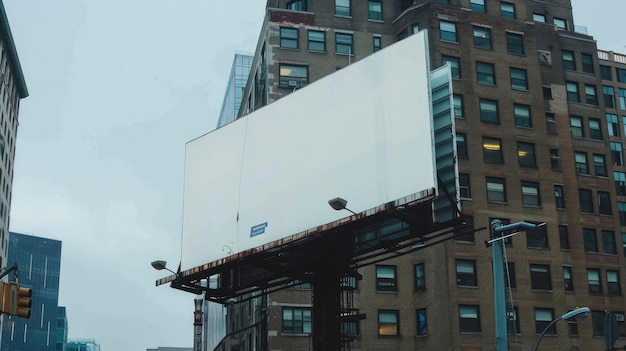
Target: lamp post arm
[
  {"x": 6, "y": 270},
  {"x": 544, "y": 331}
]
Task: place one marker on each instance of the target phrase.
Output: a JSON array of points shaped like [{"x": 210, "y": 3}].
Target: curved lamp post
[
  {"x": 160, "y": 265},
  {"x": 568, "y": 315}
]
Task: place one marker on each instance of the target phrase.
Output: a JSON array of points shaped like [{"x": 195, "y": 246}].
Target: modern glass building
[
  {"x": 234, "y": 90},
  {"x": 61, "y": 335},
  {"x": 82, "y": 345},
  {"x": 39, "y": 265}
]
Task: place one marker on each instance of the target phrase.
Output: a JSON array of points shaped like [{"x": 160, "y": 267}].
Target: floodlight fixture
[{"x": 339, "y": 204}]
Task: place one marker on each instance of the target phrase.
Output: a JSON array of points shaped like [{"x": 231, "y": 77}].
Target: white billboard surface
[{"x": 363, "y": 133}]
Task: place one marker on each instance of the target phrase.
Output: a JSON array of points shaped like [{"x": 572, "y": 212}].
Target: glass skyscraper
[
  {"x": 237, "y": 80},
  {"x": 39, "y": 265}
]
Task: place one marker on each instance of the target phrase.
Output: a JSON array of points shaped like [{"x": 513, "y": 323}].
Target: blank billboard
[{"x": 363, "y": 133}]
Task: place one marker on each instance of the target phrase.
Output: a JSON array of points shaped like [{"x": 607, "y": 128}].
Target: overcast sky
[{"x": 116, "y": 89}]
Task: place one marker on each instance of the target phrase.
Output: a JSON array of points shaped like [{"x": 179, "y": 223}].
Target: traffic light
[{"x": 15, "y": 299}]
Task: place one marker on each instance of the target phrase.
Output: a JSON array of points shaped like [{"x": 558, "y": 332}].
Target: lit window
[
  {"x": 540, "y": 277},
  {"x": 388, "y": 323},
  {"x": 289, "y": 38},
  {"x": 293, "y": 76},
  {"x": 594, "y": 282},
  {"x": 526, "y": 154},
  {"x": 482, "y": 37},
  {"x": 447, "y": 31},
  {"x": 492, "y": 150}
]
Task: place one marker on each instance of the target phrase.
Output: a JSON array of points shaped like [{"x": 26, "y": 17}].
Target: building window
[
  {"x": 597, "y": 320},
  {"x": 576, "y": 126},
  {"x": 537, "y": 17},
  {"x": 458, "y": 105},
  {"x": 496, "y": 190},
  {"x": 604, "y": 203},
  {"x": 555, "y": 159},
  {"x": 526, "y": 154},
  {"x": 537, "y": 237},
  {"x": 388, "y": 323},
  {"x": 464, "y": 186},
  {"x": 595, "y": 131},
  {"x": 622, "y": 99},
  {"x": 342, "y": 8},
  {"x": 420, "y": 282},
  {"x": 609, "y": 96},
  {"x": 485, "y": 73},
  {"x": 478, "y": 5},
  {"x": 513, "y": 325},
  {"x": 589, "y": 239},
  {"x": 469, "y": 317},
  {"x": 447, "y": 31},
  {"x": 621, "y": 75},
  {"x": 455, "y": 65},
  {"x": 288, "y": 38},
  {"x": 612, "y": 283},
  {"x": 559, "y": 196},
  {"x": 567, "y": 278},
  {"x": 514, "y": 43},
  {"x": 422, "y": 325},
  {"x": 482, "y": 37},
  {"x": 591, "y": 97},
  {"x": 572, "y": 91},
  {"x": 587, "y": 61},
  {"x": 599, "y": 165},
  {"x": 519, "y": 80},
  {"x": 547, "y": 92},
  {"x": 510, "y": 277},
  {"x": 581, "y": 163},
  {"x": 543, "y": 318},
  {"x": 585, "y": 201},
  {"x": 348, "y": 282},
  {"x": 605, "y": 72},
  {"x": 297, "y": 320},
  {"x": 620, "y": 182},
  {"x": 461, "y": 145},
  {"x": 612, "y": 124},
  {"x": 540, "y": 277},
  {"x": 564, "y": 237},
  {"x": 560, "y": 23},
  {"x": 343, "y": 43},
  {"x": 317, "y": 40},
  {"x": 377, "y": 43},
  {"x": 616, "y": 153},
  {"x": 522, "y": 115},
  {"x": 594, "y": 282},
  {"x": 621, "y": 210},
  {"x": 507, "y": 10},
  {"x": 298, "y": 5},
  {"x": 492, "y": 150},
  {"x": 386, "y": 278},
  {"x": 489, "y": 111},
  {"x": 292, "y": 76},
  {"x": 550, "y": 123},
  {"x": 466, "y": 273},
  {"x": 608, "y": 242},
  {"x": 568, "y": 60},
  {"x": 375, "y": 10}
]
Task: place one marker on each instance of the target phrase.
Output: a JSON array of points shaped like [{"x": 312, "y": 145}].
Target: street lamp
[
  {"x": 568, "y": 315},
  {"x": 502, "y": 337},
  {"x": 160, "y": 265},
  {"x": 339, "y": 204}
]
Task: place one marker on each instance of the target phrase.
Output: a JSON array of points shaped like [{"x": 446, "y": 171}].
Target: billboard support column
[{"x": 197, "y": 324}]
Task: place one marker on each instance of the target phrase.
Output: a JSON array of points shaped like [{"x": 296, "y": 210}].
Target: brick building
[{"x": 540, "y": 122}]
